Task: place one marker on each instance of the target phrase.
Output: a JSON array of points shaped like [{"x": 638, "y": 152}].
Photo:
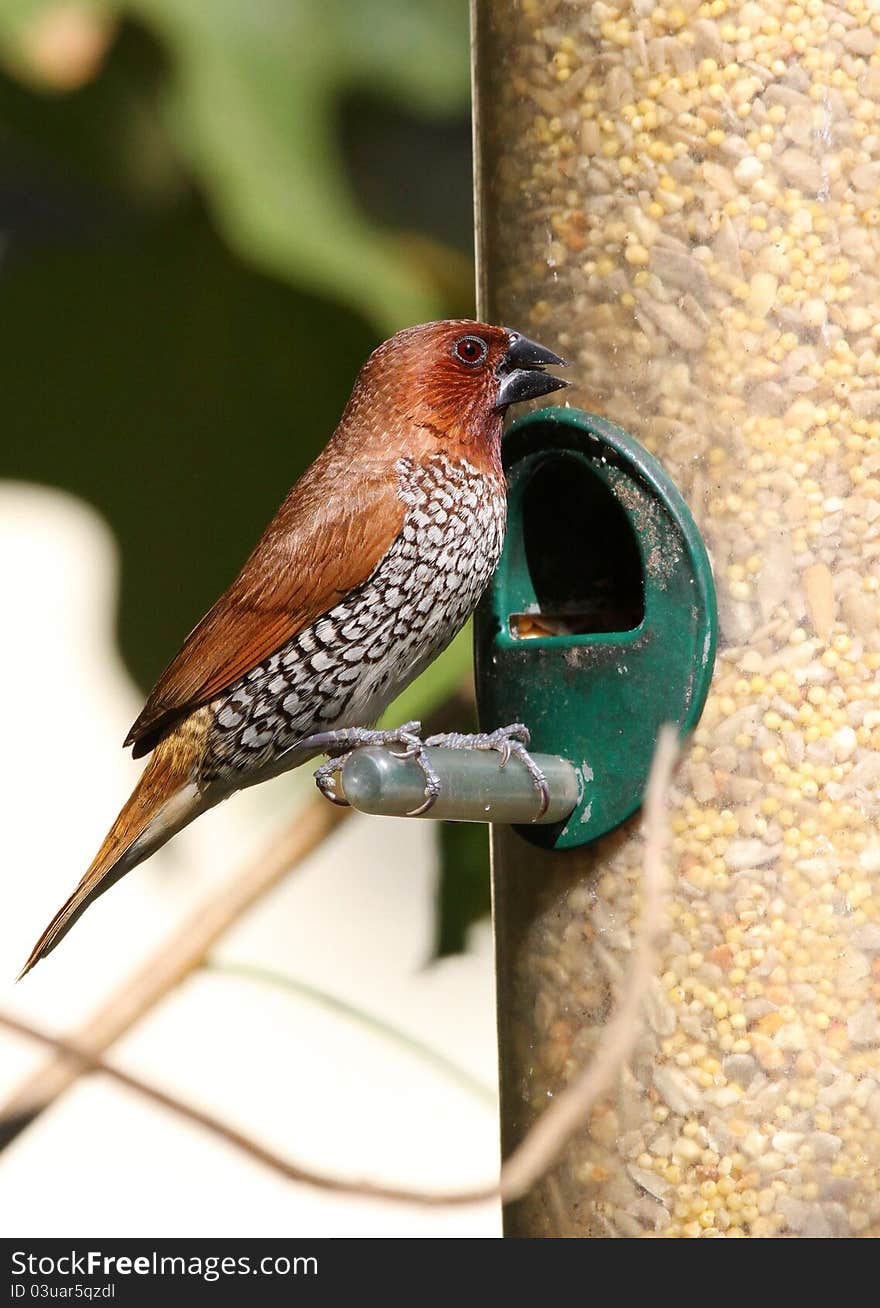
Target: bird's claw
[
  {"x": 416, "y": 750},
  {"x": 432, "y": 788},
  {"x": 511, "y": 740},
  {"x": 349, "y": 739},
  {"x": 325, "y": 780}
]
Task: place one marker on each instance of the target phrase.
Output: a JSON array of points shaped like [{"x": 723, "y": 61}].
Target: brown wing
[{"x": 328, "y": 537}]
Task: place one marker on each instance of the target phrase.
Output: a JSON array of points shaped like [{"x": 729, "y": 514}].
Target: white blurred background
[{"x": 354, "y": 921}]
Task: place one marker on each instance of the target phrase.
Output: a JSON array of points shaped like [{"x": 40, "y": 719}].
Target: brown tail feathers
[{"x": 166, "y": 798}]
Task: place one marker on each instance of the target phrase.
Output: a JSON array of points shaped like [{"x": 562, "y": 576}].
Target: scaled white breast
[{"x": 346, "y": 668}]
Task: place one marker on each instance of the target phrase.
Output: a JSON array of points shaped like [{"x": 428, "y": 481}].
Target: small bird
[{"x": 373, "y": 563}]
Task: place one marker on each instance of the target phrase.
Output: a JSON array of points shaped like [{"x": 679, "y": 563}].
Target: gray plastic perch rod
[{"x": 474, "y": 787}]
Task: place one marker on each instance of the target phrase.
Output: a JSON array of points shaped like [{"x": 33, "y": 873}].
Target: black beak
[{"x": 519, "y": 372}]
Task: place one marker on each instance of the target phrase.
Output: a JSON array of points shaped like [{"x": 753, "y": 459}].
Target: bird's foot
[
  {"x": 507, "y": 741},
  {"x": 511, "y": 740},
  {"x": 341, "y": 744}
]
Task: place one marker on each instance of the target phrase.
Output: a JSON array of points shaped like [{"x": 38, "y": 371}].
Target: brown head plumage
[{"x": 430, "y": 387}]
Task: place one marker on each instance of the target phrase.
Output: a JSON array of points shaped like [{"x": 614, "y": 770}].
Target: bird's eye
[{"x": 470, "y": 349}]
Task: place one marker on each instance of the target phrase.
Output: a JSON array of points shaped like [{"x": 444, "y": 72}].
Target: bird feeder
[
  {"x": 684, "y": 205},
  {"x": 599, "y": 625}
]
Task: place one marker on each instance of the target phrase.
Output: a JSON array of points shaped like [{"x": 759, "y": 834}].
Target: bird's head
[{"x": 454, "y": 380}]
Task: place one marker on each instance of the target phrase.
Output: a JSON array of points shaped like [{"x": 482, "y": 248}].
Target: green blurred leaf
[
  {"x": 464, "y": 895},
  {"x": 156, "y": 377},
  {"x": 252, "y": 105}
]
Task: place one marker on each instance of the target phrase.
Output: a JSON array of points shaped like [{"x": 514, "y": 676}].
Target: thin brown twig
[
  {"x": 229, "y": 1134},
  {"x": 536, "y": 1154}
]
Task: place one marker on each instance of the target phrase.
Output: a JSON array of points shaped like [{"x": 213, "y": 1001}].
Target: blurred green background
[{"x": 210, "y": 212}]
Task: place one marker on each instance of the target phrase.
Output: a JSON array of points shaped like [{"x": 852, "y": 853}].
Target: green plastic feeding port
[{"x": 600, "y": 622}]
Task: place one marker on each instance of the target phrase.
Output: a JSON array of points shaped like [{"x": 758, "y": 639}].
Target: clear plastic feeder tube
[{"x": 684, "y": 201}]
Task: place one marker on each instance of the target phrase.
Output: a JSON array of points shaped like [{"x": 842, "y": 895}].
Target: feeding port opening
[{"x": 582, "y": 555}]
